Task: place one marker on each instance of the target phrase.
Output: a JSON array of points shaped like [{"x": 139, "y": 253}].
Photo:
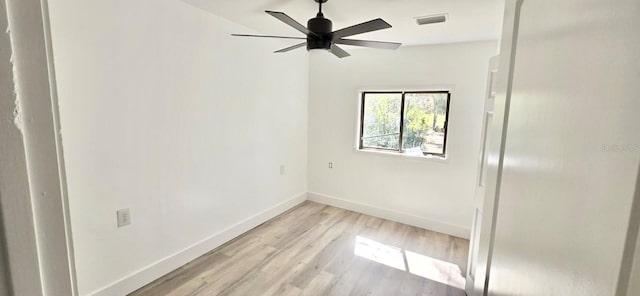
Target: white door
[
  {"x": 482, "y": 175},
  {"x": 492, "y": 154}
]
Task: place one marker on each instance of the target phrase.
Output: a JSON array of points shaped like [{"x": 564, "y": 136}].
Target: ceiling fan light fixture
[{"x": 432, "y": 19}]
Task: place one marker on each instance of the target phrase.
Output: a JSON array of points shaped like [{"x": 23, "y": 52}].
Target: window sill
[{"x": 403, "y": 155}]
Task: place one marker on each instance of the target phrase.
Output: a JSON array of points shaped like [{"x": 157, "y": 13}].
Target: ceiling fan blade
[
  {"x": 339, "y": 52},
  {"x": 374, "y": 25},
  {"x": 290, "y": 48},
  {"x": 267, "y": 36},
  {"x": 289, "y": 21},
  {"x": 367, "y": 43}
]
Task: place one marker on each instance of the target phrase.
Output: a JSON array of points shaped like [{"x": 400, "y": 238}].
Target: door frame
[{"x": 33, "y": 192}]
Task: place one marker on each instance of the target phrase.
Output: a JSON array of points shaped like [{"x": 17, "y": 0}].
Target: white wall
[
  {"x": 434, "y": 194},
  {"x": 572, "y": 151},
  {"x": 164, "y": 113}
]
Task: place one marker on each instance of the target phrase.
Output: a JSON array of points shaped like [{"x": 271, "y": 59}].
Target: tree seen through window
[{"x": 406, "y": 122}]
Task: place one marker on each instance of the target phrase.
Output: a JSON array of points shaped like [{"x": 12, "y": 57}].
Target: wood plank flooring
[{"x": 314, "y": 249}]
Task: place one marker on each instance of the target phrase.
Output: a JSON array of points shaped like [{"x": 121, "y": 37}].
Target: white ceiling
[{"x": 468, "y": 19}]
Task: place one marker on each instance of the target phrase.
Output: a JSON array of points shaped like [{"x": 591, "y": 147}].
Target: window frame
[{"x": 400, "y": 150}]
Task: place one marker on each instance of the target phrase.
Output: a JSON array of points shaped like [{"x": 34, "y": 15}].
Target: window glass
[
  {"x": 405, "y": 122},
  {"x": 425, "y": 116},
  {"x": 381, "y": 120}
]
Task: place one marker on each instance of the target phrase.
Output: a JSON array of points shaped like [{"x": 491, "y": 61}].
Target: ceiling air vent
[{"x": 432, "y": 19}]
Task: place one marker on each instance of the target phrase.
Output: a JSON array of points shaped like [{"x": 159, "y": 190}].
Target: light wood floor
[{"x": 314, "y": 249}]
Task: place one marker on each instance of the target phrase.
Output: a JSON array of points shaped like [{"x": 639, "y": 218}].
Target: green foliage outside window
[{"x": 423, "y": 129}]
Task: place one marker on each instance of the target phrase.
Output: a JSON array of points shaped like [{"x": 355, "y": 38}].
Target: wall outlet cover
[{"x": 124, "y": 217}]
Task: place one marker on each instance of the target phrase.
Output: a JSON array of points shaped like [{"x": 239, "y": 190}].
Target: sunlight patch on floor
[
  {"x": 381, "y": 253},
  {"x": 435, "y": 270},
  {"x": 423, "y": 266}
]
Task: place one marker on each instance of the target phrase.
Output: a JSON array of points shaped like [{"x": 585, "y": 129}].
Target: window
[{"x": 413, "y": 123}]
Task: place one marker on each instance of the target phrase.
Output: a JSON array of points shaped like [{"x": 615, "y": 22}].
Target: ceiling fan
[{"x": 320, "y": 35}]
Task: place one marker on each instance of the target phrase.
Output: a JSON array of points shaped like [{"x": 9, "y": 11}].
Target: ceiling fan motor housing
[{"x": 323, "y": 29}]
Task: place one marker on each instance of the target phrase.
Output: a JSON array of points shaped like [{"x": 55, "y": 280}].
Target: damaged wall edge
[
  {"x": 17, "y": 115},
  {"x": 32, "y": 126},
  {"x": 21, "y": 274}
]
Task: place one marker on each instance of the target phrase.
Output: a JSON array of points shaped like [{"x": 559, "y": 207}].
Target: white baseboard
[
  {"x": 163, "y": 266},
  {"x": 392, "y": 215}
]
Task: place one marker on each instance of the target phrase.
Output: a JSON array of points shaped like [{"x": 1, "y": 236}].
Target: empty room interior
[{"x": 320, "y": 147}]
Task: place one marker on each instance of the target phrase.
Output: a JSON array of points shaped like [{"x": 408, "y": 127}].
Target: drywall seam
[
  {"x": 405, "y": 218},
  {"x": 165, "y": 265}
]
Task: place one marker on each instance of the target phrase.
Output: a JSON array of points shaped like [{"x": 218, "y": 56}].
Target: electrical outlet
[
  {"x": 124, "y": 217},
  {"x": 331, "y": 164},
  {"x": 281, "y": 169}
]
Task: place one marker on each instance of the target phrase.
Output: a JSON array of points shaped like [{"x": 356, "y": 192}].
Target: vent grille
[{"x": 432, "y": 19}]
